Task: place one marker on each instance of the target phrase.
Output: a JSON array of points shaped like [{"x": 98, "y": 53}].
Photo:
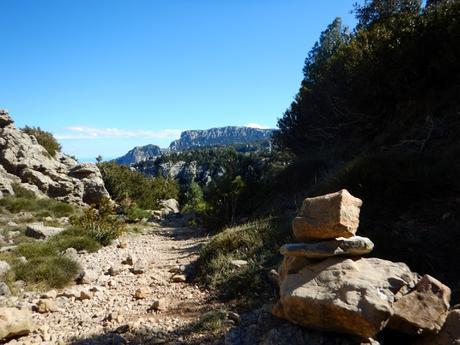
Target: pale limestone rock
[
  {"x": 344, "y": 295},
  {"x": 41, "y": 232},
  {"x": 353, "y": 246},
  {"x": 327, "y": 216},
  {"x": 47, "y": 306},
  {"x": 142, "y": 293},
  {"x": 15, "y": 323}
]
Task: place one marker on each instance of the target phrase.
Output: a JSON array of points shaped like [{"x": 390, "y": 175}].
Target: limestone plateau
[
  {"x": 222, "y": 136},
  {"x": 24, "y": 162}
]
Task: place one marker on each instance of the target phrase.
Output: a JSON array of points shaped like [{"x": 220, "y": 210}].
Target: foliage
[
  {"x": 101, "y": 224},
  {"x": 45, "y": 139},
  {"x": 135, "y": 213},
  {"x": 51, "y": 271},
  {"x": 146, "y": 192},
  {"x": 194, "y": 199},
  {"x": 257, "y": 242},
  {"x": 391, "y": 85},
  {"x": 212, "y": 321},
  {"x": 25, "y": 201}
]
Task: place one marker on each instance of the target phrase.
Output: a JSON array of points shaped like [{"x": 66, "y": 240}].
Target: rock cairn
[{"x": 326, "y": 284}]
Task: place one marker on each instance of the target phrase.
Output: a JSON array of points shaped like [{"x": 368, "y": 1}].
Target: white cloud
[
  {"x": 256, "y": 125},
  {"x": 85, "y": 132}
]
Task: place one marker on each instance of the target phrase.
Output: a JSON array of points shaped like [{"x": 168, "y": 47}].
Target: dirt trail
[{"x": 111, "y": 314}]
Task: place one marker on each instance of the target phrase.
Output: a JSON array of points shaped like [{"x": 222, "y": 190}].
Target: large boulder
[
  {"x": 15, "y": 323},
  {"x": 327, "y": 216},
  {"x": 422, "y": 310},
  {"x": 343, "y": 295},
  {"x": 169, "y": 206},
  {"x": 340, "y": 246},
  {"x": 24, "y": 161}
]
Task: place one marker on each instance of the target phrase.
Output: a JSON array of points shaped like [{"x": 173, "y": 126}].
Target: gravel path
[{"x": 132, "y": 292}]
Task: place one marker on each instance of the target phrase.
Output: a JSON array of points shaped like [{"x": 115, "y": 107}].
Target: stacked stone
[
  {"x": 326, "y": 284},
  {"x": 326, "y": 227}
]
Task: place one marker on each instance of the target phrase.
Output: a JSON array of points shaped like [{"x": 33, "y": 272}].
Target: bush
[
  {"x": 25, "y": 201},
  {"x": 212, "y": 321},
  {"x": 50, "y": 271},
  {"x": 100, "y": 224},
  {"x": 45, "y": 139},
  {"x": 147, "y": 192},
  {"x": 135, "y": 213},
  {"x": 258, "y": 243}
]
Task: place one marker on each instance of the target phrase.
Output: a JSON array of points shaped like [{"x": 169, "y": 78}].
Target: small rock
[
  {"x": 51, "y": 294},
  {"x": 142, "y": 292},
  {"x": 179, "y": 278},
  {"x": 130, "y": 259},
  {"x": 87, "y": 277},
  {"x": 4, "y": 268},
  {"x": 158, "y": 305},
  {"x": 47, "y": 306},
  {"x": 114, "y": 270},
  {"x": 239, "y": 263},
  {"x": 122, "y": 244},
  {"x": 4, "y": 290},
  {"x": 233, "y": 316}
]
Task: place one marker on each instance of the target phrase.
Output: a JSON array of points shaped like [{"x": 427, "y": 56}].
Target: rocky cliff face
[
  {"x": 219, "y": 137},
  {"x": 25, "y": 162},
  {"x": 139, "y": 154}
]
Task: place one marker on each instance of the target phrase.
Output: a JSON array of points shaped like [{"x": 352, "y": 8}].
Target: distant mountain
[
  {"x": 223, "y": 136},
  {"x": 139, "y": 154}
]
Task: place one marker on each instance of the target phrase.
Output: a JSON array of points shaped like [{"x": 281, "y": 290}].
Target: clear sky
[{"x": 107, "y": 75}]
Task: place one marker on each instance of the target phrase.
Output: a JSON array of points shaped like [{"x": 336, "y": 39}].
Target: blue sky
[{"x": 107, "y": 75}]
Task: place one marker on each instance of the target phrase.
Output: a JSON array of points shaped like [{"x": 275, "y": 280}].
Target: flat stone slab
[
  {"x": 41, "y": 232},
  {"x": 353, "y": 246}
]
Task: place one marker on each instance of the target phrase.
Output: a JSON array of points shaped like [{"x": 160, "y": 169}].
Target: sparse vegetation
[
  {"x": 100, "y": 224},
  {"x": 25, "y": 201},
  {"x": 47, "y": 271},
  {"x": 212, "y": 321},
  {"x": 257, "y": 242},
  {"x": 45, "y": 139}
]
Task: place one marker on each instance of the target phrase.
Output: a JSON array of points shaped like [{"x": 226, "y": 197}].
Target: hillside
[
  {"x": 222, "y": 136},
  {"x": 139, "y": 154}
]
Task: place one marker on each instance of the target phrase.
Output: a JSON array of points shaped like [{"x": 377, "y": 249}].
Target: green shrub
[
  {"x": 36, "y": 249},
  {"x": 44, "y": 138},
  {"x": 212, "y": 321},
  {"x": 50, "y": 271},
  {"x": 41, "y": 207},
  {"x": 74, "y": 238},
  {"x": 21, "y": 192},
  {"x": 257, "y": 242},
  {"x": 135, "y": 213},
  {"x": 100, "y": 224},
  {"x": 121, "y": 182}
]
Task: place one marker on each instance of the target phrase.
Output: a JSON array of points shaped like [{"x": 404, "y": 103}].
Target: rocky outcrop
[
  {"x": 139, "y": 154},
  {"x": 24, "y": 161},
  {"x": 325, "y": 284},
  {"x": 222, "y": 136}
]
